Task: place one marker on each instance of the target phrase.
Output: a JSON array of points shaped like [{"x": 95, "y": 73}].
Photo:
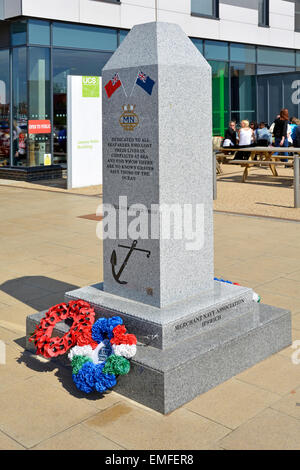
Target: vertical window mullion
[
  {"x": 229, "y": 92},
  {"x": 297, "y": 17},
  {"x": 11, "y": 106},
  {"x": 28, "y": 103},
  {"x": 51, "y": 96},
  {"x": 263, "y": 13},
  {"x": 216, "y": 5}
]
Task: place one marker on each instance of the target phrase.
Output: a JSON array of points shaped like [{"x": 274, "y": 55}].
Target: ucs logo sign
[
  {"x": 90, "y": 87},
  {"x": 89, "y": 80}
]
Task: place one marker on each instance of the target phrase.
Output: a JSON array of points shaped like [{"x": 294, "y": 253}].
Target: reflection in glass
[
  {"x": 67, "y": 62},
  {"x": 216, "y": 50},
  {"x": 277, "y": 90},
  {"x": 220, "y": 92},
  {"x": 19, "y": 33},
  {"x": 39, "y": 32},
  {"x": 4, "y": 108},
  {"x": 123, "y": 34},
  {"x": 39, "y": 105},
  {"x": 273, "y": 69},
  {"x": 203, "y": 7},
  {"x": 242, "y": 53},
  {"x": 243, "y": 92},
  {"x": 84, "y": 37},
  {"x": 20, "y": 106},
  {"x": 274, "y": 55},
  {"x": 198, "y": 43}
]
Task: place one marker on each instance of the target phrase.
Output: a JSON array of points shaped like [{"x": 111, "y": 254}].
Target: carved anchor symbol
[{"x": 113, "y": 260}]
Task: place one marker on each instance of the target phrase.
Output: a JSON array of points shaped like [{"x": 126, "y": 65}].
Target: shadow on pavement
[
  {"x": 62, "y": 372},
  {"x": 261, "y": 180},
  {"x": 52, "y": 183},
  {"x": 22, "y": 289},
  {"x": 37, "y": 291}
]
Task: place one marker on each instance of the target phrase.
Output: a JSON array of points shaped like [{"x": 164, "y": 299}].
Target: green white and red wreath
[{"x": 100, "y": 351}]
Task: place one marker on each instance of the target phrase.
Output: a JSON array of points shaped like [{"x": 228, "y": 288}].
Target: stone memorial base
[{"x": 189, "y": 347}]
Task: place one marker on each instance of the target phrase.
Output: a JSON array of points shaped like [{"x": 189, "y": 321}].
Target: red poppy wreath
[{"x": 83, "y": 317}]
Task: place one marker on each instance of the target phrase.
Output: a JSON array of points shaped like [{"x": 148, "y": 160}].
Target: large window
[
  {"x": 243, "y": 53},
  {"x": 205, "y": 8},
  {"x": 276, "y": 90},
  {"x": 216, "y": 50},
  {"x": 84, "y": 37},
  {"x": 274, "y": 56},
  {"x": 19, "y": 33},
  {"x": 220, "y": 96},
  {"x": 263, "y": 12},
  {"x": 243, "y": 92},
  {"x": 39, "y": 32},
  {"x": 4, "y": 108},
  {"x": 43, "y": 53},
  {"x": 20, "y": 106},
  {"x": 39, "y": 116},
  {"x": 39, "y": 142}
]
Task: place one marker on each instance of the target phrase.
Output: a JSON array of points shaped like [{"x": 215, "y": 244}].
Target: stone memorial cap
[{"x": 157, "y": 153}]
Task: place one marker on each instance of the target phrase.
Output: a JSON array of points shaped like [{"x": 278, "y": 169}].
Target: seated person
[
  {"x": 246, "y": 138},
  {"x": 263, "y": 135},
  {"x": 230, "y": 135}
]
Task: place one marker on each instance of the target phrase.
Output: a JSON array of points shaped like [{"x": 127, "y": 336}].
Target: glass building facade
[
  {"x": 250, "y": 82},
  {"x": 36, "y": 56}
]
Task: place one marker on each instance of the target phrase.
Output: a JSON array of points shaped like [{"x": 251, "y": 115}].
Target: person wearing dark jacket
[
  {"x": 230, "y": 135},
  {"x": 280, "y": 129}
]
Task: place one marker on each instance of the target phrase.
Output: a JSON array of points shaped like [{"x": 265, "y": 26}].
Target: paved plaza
[{"x": 48, "y": 249}]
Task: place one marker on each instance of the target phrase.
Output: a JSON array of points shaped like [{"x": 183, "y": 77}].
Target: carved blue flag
[{"x": 145, "y": 82}]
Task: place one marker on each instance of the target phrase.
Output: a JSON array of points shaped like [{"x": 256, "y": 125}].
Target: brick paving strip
[{"x": 95, "y": 217}]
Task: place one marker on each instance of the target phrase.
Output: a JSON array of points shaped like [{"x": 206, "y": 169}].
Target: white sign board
[{"x": 84, "y": 131}]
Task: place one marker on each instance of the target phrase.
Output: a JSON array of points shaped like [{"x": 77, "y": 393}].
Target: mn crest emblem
[{"x": 128, "y": 119}]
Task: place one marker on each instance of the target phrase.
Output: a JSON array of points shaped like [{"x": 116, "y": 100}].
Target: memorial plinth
[{"x": 193, "y": 332}]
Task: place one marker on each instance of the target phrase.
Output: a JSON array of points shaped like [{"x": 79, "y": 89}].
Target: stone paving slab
[{"x": 267, "y": 423}]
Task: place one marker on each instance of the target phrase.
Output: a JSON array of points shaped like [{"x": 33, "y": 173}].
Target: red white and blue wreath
[
  {"x": 95, "y": 366},
  {"x": 100, "y": 352}
]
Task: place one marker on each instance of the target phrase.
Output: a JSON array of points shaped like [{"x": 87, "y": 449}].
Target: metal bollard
[
  {"x": 214, "y": 176},
  {"x": 296, "y": 181}
]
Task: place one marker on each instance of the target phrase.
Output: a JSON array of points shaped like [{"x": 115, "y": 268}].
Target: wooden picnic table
[
  {"x": 266, "y": 156},
  {"x": 260, "y": 156}
]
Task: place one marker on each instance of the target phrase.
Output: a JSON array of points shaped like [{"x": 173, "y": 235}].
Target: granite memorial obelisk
[
  {"x": 193, "y": 332},
  {"x": 157, "y": 153}
]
